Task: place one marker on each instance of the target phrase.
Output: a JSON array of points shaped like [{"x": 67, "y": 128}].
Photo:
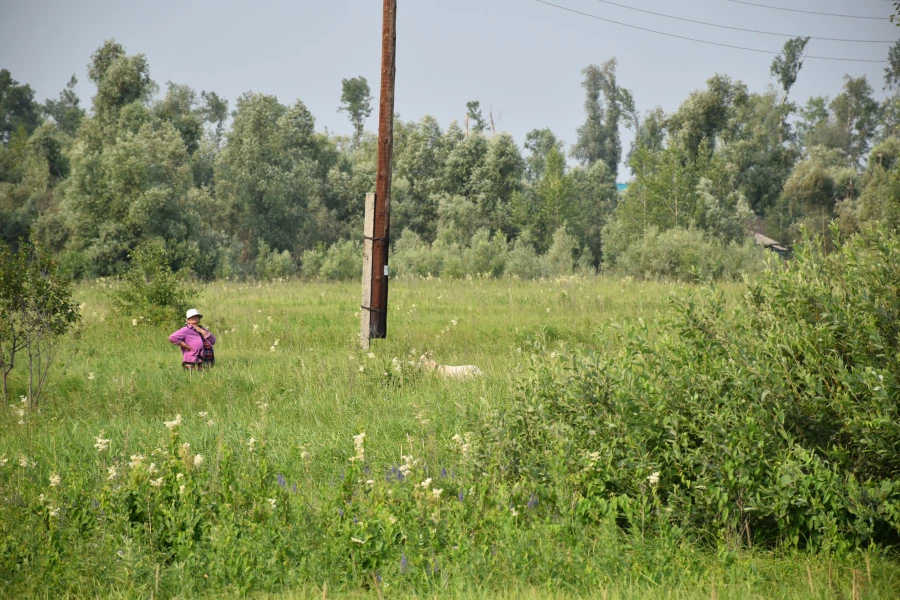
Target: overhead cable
[
  {"x": 809, "y": 12},
  {"x": 683, "y": 37},
  {"x": 650, "y": 12}
]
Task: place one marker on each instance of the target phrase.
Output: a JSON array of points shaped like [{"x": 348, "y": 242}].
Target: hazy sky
[{"x": 522, "y": 59}]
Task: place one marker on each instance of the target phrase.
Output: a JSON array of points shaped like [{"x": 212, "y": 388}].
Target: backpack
[{"x": 207, "y": 356}]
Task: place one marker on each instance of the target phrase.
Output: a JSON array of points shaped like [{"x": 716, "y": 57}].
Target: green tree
[
  {"x": 356, "y": 101},
  {"x": 268, "y": 178},
  {"x": 856, "y": 114},
  {"x": 706, "y": 116},
  {"x": 538, "y": 143},
  {"x": 420, "y": 152},
  {"x": 785, "y": 68},
  {"x": 598, "y": 137},
  {"x": 36, "y": 308},
  {"x": 66, "y": 112},
  {"x": 121, "y": 80},
  {"x": 17, "y": 107},
  {"x": 553, "y": 194},
  {"x": 474, "y": 116},
  {"x": 179, "y": 107},
  {"x": 594, "y": 200}
]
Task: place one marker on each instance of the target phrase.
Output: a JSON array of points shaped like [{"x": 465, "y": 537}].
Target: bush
[
  {"x": 560, "y": 258},
  {"x": 523, "y": 260},
  {"x": 151, "y": 290},
  {"x": 342, "y": 262},
  {"x": 36, "y": 308},
  {"x": 486, "y": 255},
  {"x": 271, "y": 264},
  {"x": 412, "y": 257},
  {"x": 775, "y": 421}
]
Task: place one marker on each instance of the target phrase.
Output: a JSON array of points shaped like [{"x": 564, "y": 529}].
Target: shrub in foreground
[{"x": 775, "y": 422}]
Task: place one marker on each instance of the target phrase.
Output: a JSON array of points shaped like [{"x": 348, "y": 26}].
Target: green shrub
[
  {"x": 412, "y": 257},
  {"x": 522, "y": 260},
  {"x": 775, "y": 422},
  {"x": 342, "y": 262},
  {"x": 150, "y": 291},
  {"x": 271, "y": 264}
]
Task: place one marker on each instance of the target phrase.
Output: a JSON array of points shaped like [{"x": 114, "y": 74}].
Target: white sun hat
[{"x": 193, "y": 313}]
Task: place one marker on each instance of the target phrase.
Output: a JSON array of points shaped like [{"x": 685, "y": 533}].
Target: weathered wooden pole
[{"x": 380, "y": 233}]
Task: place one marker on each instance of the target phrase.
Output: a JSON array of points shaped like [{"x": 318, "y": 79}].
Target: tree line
[{"x": 256, "y": 191}]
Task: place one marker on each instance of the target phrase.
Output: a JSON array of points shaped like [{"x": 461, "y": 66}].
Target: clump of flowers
[
  {"x": 102, "y": 444},
  {"x": 171, "y": 425},
  {"x": 358, "y": 444}
]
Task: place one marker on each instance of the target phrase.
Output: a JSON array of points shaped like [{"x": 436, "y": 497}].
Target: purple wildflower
[
  {"x": 403, "y": 562},
  {"x": 532, "y": 501},
  {"x": 461, "y": 497},
  {"x": 281, "y": 481},
  {"x": 444, "y": 472}
]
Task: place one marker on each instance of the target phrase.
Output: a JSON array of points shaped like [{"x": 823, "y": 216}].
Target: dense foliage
[
  {"x": 774, "y": 421},
  {"x": 635, "y": 454},
  {"x": 259, "y": 193}
]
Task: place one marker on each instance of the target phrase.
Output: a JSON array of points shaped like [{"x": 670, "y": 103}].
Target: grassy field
[{"x": 293, "y": 385}]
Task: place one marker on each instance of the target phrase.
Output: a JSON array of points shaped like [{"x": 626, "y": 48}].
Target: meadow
[{"x": 138, "y": 479}]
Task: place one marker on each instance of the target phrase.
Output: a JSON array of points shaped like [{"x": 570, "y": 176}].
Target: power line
[
  {"x": 809, "y": 12},
  {"x": 683, "y": 37},
  {"x": 650, "y": 12}
]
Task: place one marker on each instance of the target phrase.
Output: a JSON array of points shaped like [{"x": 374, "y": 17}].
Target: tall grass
[{"x": 277, "y": 504}]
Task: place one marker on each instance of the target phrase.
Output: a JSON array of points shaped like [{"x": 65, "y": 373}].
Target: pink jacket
[{"x": 189, "y": 336}]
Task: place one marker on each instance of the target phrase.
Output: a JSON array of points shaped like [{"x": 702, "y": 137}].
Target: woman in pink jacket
[{"x": 195, "y": 342}]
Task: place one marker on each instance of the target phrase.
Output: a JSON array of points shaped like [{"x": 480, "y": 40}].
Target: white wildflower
[
  {"x": 251, "y": 444},
  {"x": 407, "y": 467},
  {"x": 134, "y": 322},
  {"x": 23, "y": 461},
  {"x": 273, "y": 502},
  {"x": 181, "y": 489},
  {"x": 41, "y": 499},
  {"x": 202, "y": 414},
  {"x": 436, "y": 492},
  {"x": 653, "y": 479},
  {"x": 304, "y": 455},
  {"x": 113, "y": 472},
  {"x": 152, "y": 470},
  {"x": 272, "y": 349},
  {"x": 54, "y": 480},
  {"x": 210, "y": 423},
  {"x": 370, "y": 482},
  {"x": 156, "y": 482},
  {"x": 170, "y": 425},
  {"x": 91, "y": 376},
  {"x": 426, "y": 484},
  {"x": 3, "y": 460},
  {"x": 513, "y": 511},
  {"x": 54, "y": 511},
  {"x": 198, "y": 460},
  {"x": 136, "y": 460},
  {"x": 361, "y": 368},
  {"x": 276, "y": 343},
  {"x": 102, "y": 443},
  {"x": 357, "y": 540},
  {"x": 453, "y": 322},
  {"x": 359, "y": 445},
  {"x": 179, "y": 477}
]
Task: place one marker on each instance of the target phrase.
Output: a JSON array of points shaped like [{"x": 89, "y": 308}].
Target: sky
[{"x": 521, "y": 59}]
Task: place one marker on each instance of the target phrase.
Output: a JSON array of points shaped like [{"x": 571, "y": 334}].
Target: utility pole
[{"x": 377, "y": 231}]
